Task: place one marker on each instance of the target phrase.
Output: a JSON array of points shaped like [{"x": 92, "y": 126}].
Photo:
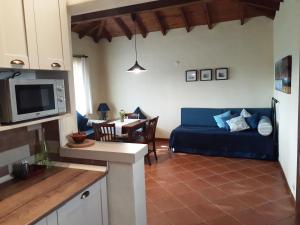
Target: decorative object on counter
[
  {"x": 79, "y": 137},
  {"x": 206, "y": 74},
  {"x": 23, "y": 170},
  {"x": 136, "y": 68},
  {"x": 283, "y": 75},
  {"x": 42, "y": 158},
  {"x": 222, "y": 74},
  {"x": 84, "y": 144},
  {"x": 191, "y": 75},
  {"x": 103, "y": 108},
  {"x": 122, "y": 115}
]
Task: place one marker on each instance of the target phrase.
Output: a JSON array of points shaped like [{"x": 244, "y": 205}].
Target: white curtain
[{"x": 83, "y": 99}]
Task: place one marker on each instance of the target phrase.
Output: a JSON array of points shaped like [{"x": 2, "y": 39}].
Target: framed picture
[
  {"x": 206, "y": 74},
  {"x": 222, "y": 74},
  {"x": 191, "y": 75},
  {"x": 283, "y": 75}
]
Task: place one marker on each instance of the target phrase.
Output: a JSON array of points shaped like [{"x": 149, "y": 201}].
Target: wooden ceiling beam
[
  {"x": 263, "y": 4},
  {"x": 107, "y": 35},
  {"x": 185, "y": 19},
  {"x": 90, "y": 28},
  {"x": 207, "y": 15},
  {"x": 142, "y": 28},
  {"x": 158, "y": 19},
  {"x": 128, "y": 10},
  {"x": 123, "y": 27},
  {"x": 99, "y": 33}
]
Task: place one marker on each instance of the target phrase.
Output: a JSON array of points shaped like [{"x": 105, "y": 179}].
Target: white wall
[
  {"x": 287, "y": 42},
  {"x": 247, "y": 50},
  {"x": 87, "y": 46}
]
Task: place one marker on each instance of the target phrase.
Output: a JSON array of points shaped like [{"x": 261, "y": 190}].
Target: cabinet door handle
[
  {"x": 85, "y": 194},
  {"x": 17, "y": 62},
  {"x": 55, "y": 65}
]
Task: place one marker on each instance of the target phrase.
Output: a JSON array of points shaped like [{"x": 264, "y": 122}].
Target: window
[{"x": 83, "y": 99}]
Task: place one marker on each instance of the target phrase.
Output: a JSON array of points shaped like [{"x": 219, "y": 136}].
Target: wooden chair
[
  {"x": 105, "y": 132},
  {"x": 148, "y": 137}
]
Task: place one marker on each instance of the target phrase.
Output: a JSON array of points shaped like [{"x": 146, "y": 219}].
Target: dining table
[{"x": 129, "y": 127}]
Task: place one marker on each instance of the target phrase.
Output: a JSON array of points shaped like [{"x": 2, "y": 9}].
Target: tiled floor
[{"x": 199, "y": 190}]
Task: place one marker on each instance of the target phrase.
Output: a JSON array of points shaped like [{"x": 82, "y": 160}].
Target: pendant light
[{"x": 136, "y": 68}]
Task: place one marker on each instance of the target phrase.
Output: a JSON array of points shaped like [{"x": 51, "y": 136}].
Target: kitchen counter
[
  {"x": 125, "y": 179},
  {"x": 25, "y": 202},
  {"x": 108, "y": 151}
]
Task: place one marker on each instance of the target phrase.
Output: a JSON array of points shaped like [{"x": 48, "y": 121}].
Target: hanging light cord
[{"x": 135, "y": 39}]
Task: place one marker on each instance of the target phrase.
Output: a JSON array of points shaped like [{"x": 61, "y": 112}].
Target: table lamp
[{"x": 103, "y": 108}]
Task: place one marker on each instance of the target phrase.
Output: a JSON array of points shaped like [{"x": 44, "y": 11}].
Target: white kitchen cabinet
[
  {"x": 49, "y": 34},
  {"x": 49, "y": 220},
  {"x": 13, "y": 45},
  {"x": 34, "y": 34},
  {"x": 42, "y": 222},
  {"x": 85, "y": 208}
]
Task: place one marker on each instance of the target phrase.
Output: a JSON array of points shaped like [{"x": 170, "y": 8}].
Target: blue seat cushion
[
  {"x": 82, "y": 122},
  {"x": 253, "y": 120},
  {"x": 141, "y": 114}
]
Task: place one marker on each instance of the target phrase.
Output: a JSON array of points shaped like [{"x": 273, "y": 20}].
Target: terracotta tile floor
[{"x": 199, "y": 190}]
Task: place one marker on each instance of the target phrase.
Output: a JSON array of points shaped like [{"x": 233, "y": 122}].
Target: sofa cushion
[
  {"x": 225, "y": 119},
  {"x": 199, "y": 116},
  {"x": 253, "y": 120},
  {"x": 238, "y": 124},
  {"x": 219, "y": 119},
  {"x": 81, "y": 122},
  {"x": 245, "y": 113}
]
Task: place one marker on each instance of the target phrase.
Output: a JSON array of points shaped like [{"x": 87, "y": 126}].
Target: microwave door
[{"x": 30, "y": 101}]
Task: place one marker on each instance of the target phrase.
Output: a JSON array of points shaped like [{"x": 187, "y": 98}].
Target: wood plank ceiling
[{"x": 169, "y": 14}]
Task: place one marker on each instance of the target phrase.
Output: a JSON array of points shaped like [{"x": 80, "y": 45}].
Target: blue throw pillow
[
  {"x": 81, "y": 122},
  {"x": 219, "y": 121},
  {"x": 225, "y": 119},
  {"x": 253, "y": 120},
  {"x": 141, "y": 114}
]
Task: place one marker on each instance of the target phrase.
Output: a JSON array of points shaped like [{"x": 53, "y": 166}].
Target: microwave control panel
[{"x": 61, "y": 96}]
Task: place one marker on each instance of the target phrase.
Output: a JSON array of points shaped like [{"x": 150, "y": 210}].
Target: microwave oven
[{"x": 24, "y": 99}]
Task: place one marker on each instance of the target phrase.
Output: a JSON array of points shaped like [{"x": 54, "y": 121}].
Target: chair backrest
[
  {"x": 105, "y": 132},
  {"x": 132, "y": 116},
  {"x": 151, "y": 129}
]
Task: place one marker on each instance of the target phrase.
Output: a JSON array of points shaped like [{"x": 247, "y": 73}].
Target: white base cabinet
[{"x": 87, "y": 208}]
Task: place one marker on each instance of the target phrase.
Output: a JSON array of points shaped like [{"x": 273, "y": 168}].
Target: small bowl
[{"x": 79, "y": 137}]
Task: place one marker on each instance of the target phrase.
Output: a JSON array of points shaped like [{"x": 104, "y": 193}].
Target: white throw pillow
[
  {"x": 237, "y": 124},
  {"x": 245, "y": 113}
]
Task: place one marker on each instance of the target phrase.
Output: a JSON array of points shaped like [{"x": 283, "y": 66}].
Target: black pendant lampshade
[{"x": 136, "y": 68}]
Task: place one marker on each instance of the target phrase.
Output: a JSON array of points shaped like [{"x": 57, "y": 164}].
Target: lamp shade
[
  {"x": 103, "y": 107},
  {"x": 136, "y": 68}
]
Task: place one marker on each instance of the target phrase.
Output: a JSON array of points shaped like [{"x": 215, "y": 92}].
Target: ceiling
[{"x": 168, "y": 14}]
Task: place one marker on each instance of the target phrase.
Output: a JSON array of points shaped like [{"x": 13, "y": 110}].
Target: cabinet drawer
[{"x": 84, "y": 209}]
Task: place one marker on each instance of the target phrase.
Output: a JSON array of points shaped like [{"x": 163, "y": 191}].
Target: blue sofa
[{"x": 199, "y": 134}]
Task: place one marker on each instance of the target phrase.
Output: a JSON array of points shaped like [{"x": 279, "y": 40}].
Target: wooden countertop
[{"x": 24, "y": 202}]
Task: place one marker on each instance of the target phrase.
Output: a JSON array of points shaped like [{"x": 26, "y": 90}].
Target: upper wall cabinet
[
  {"x": 34, "y": 34},
  {"x": 48, "y": 33},
  {"x": 13, "y": 45}
]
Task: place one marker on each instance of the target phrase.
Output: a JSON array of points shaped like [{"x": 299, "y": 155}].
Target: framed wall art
[
  {"x": 222, "y": 74},
  {"x": 191, "y": 75}
]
